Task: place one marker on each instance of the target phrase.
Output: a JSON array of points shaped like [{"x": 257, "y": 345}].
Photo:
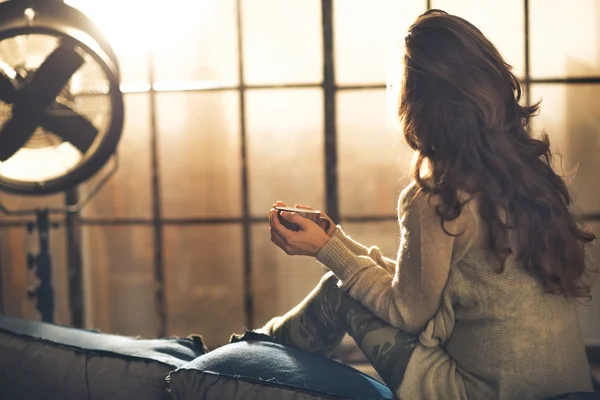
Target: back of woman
[
  {"x": 510, "y": 339},
  {"x": 508, "y": 319}
]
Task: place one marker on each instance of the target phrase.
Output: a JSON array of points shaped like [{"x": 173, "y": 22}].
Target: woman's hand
[
  {"x": 307, "y": 241},
  {"x": 331, "y": 229}
]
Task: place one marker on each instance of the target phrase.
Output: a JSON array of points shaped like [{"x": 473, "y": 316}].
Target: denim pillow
[{"x": 256, "y": 367}]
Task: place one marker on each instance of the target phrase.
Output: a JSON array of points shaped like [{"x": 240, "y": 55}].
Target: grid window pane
[
  {"x": 564, "y": 38},
  {"x": 369, "y": 38},
  {"x": 204, "y": 281},
  {"x": 279, "y": 281},
  {"x": 373, "y": 159},
  {"x": 199, "y": 154},
  {"x": 501, "y": 21},
  {"x": 285, "y": 148},
  {"x": 589, "y": 314},
  {"x": 570, "y": 114},
  {"x": 127, "y": 193},
  {"x": 119, "y": 279},
  {"x": 200, "y": 44},
  {"x": 15, "y": 243},
  {"x": 282, "y": 41}
]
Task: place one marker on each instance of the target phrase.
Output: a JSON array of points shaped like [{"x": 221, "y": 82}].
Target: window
[{"x": 229, "y": 110}]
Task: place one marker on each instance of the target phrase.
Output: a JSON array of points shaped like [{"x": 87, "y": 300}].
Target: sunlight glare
[{"x": 142, "y": 24}]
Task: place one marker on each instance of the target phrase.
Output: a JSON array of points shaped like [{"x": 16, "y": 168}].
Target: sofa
[{"x": 49, "y": 361}]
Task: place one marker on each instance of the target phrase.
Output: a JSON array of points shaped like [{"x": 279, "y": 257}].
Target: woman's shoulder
[
  {"x": 412, "y": 195},
  {"x": 408, "y": 195},
  {"x": 413, "y": 198}
]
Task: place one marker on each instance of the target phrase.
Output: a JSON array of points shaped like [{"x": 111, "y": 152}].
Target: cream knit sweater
[{"x": 483, "y": 335}]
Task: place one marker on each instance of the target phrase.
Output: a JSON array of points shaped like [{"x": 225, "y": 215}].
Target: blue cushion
[
  {"x": 40, "y": 360},
  {"x": 259, "y": 368}
]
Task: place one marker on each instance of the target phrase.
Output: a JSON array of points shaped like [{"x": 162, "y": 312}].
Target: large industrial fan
[
  {"x": 61, "y": 110},
  {"x": 61, "y": 114}
]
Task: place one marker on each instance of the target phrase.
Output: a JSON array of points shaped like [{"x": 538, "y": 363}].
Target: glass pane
[
  {"x": 199, "y": 150},
  {"x": 134, "y": 68},
  {"x": 502, "y": 22},
  {"x": 199, "y": 42},
  {"x": 369, "y": 38},
  {"x": 285, "y": 148},
  {"x": 564, "y": 38},
  {"x": 589, "y": 314},
  {"x": 570, "y": 114},
  {"x": 383, "y": 234},
  {"x": 15, "y": 243},
  {"x": 279, "y": 281},
  {"x": 283, "y": 41},
  {"x": 374, "y": 162},
  {"x": 119, "y": 279},
  {"x": 127, "y": 193},
  {"x": 117, "y": 27},
  {"x": 204, "y": 281},
  {"x": 14, "y": 202}
]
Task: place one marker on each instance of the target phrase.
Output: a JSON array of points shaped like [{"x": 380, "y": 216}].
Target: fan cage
[{"x": 109, "y": 131}]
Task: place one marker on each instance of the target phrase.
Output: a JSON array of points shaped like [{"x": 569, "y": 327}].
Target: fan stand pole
[{"x": 43, "y": 293}]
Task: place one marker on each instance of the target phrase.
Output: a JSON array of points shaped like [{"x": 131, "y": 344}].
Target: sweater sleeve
[
  {"x": 409, "y": 295},
  {"x": 360, "y": 250}
]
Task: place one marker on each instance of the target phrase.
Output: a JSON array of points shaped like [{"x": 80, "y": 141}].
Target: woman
[{"x": 481, "y": 300}]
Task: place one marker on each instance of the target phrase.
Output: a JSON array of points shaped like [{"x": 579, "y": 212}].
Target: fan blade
[
  {"x": 52, "y": 76},
  {"x": 14, "y": 134},
  {"x": 71, "y": 127},
  {"x": 8, "y": 91},
  {"x": 37, "y": 95}
]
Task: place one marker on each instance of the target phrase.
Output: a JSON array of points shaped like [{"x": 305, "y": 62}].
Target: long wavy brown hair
[{"x": 460, "y": 111}]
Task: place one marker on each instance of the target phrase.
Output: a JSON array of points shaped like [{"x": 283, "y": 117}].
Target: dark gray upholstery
[{"x": 44, "y": 361}]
